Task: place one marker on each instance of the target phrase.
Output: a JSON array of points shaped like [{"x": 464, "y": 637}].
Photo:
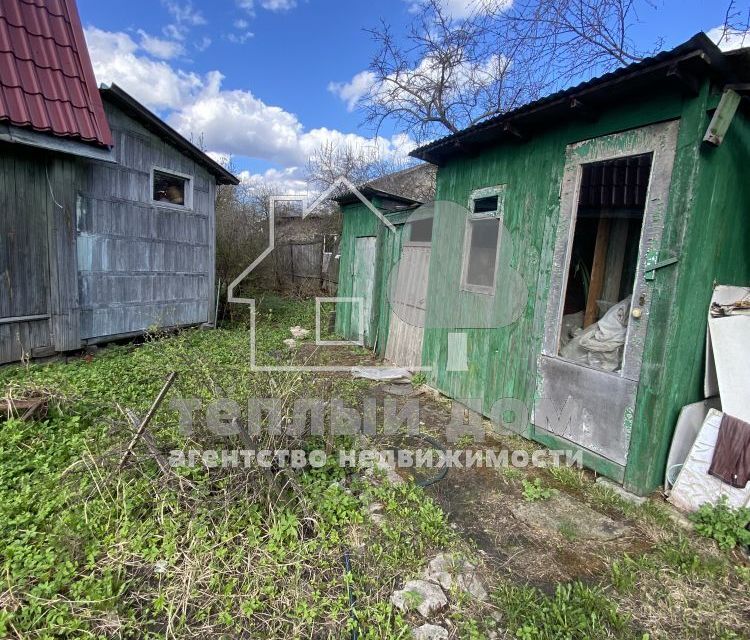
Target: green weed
[
  {"x": 575, "y": 611},
  {"x": 533, "y": 491},
  {"x": 724, "y": 524}
]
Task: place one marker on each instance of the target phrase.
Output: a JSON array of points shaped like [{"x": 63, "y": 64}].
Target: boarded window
[
  {"x": 481, "y": 255},
  {"x": 420, "y": 230},
  {"x": 170, "y": 188}
]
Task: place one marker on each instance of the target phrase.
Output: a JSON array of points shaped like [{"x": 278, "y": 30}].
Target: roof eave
[
  {"x": 698, "y": 55},
  {"x": 368, "y": 192}
]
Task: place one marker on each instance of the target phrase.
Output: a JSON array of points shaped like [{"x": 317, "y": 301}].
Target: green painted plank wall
[
  {"x": 707, "y": 224},
  {"x": 502, "y": 361},
  {"x": 359, "y": 221},
  {"x": 712, "y": 246}
]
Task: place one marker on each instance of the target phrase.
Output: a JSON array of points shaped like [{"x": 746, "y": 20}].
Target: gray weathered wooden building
[
  {"x": 107, "y": 213},
  {"x": 93, "y": 251},
  {"x": 94, "y": 248}
]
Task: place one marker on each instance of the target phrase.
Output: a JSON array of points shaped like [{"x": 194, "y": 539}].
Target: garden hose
[
  {"x": 352, "y": 597},
  {"x": 443, "y": 472}
]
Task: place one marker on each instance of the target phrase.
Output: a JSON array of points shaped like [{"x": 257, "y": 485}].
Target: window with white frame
[
  {"x": 482, "y": 240},
  {"x": 171, "y": 188}
]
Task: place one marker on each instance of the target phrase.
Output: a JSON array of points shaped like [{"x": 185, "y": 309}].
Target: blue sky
[{"x": 253, "y": 76}]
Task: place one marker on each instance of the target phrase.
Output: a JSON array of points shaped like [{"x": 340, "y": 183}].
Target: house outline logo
[{"x": 341, "y": 181}]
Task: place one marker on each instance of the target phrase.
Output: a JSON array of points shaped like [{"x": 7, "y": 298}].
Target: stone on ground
[
  {"x": 430, "y": 632},
  {"x": 426, "y": 597},
  {"x": 563, "y": 510},
  {"x": 451, "y": 571}
]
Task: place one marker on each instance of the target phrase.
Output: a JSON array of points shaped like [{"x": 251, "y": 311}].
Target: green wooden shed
[{"x": 570, "y": 254}]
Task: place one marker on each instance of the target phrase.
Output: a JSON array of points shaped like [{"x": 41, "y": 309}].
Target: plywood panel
[{"x": 408, "y": 301}]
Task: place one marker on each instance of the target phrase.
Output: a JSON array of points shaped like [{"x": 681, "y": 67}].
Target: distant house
[
  {"x": 107, "y": 213},
  {"x": 567, "y": 266}
]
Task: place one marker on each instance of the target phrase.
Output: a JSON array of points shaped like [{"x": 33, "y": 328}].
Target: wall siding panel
[{"x": 141, "y": 264}]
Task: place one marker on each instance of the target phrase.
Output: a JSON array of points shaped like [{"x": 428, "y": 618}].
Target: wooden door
[
  {"x": 584, "y": 396},
  {"x": 408, "y": 302},
  {"x": 363, "y": 288},
  {"x": 24, "y": 256}
]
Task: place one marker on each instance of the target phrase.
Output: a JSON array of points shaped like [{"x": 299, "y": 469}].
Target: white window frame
[
  {"x": 188, "y": 189},
  {"x": 499, "y": 213}
]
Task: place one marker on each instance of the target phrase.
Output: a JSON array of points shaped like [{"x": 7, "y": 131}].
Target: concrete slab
[{"x": 565, "y": 512}]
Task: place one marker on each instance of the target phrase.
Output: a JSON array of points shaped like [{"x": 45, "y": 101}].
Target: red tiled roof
[{"x": 46, "y": 79}]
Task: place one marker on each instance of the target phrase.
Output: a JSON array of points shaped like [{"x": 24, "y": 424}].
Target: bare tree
[
  {"x": 735, "y": 31},
  {"x": 450, "y": 73},
  {"x": 356, "y": 163}
]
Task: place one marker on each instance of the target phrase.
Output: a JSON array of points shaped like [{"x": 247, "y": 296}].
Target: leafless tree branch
[{"x": 448, "y": 73}]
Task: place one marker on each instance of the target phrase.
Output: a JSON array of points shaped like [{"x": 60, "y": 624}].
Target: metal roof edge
[
  {"x": 95, "y": 100},
  {"x": 28, "y": 137},
  {"x": 370, "y": 192},
  {"x": 698, "y": 47}
]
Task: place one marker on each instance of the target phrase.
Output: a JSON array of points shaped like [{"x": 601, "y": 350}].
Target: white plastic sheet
[
  {"x": 730, "y": 346},
  {"x": 600, "y": 345},
  {"x": 392, "y": 374}
]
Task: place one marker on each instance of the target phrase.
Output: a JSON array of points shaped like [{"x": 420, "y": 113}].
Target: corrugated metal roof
[
  {"x": 610, "y": 87},
  {"x": 46, "y": 79}
]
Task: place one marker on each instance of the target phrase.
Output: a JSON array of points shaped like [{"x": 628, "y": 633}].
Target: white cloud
[
  {"x": 160, "y": 48},
  {"x": 353, "y": 91},
  {"x": 730, "y": 38},
  {"x": 289, "y": 181},
  {"x": 185, "y": 13},
  {"x": 240, "y": 38},
  {"x": 424, "y": 76},
  {"x": 247, "y": 5},
  {"x": 460, "y": 9},
  {"x": 202, "y": 44},
  {"x": 238, "y": 123},
  {"x": 241, "y": 24},
  {"x": 278, "y": 5},
  {"x": 155, "y": 83},
  {"x": 229, "y": 122}
]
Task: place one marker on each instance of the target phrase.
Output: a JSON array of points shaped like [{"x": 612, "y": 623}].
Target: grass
[
  {"x": 534, "y": 490},
  {"x": 211, "y": 552},
  {"x": 90, "y": 552},
  {"x": 574, "y": 610}
]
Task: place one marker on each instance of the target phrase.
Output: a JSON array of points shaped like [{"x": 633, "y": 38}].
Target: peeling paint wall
[{"x": 706, "y": 225}]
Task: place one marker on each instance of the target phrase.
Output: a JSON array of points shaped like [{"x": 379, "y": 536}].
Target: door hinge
[{"x": 651, "y": 271}]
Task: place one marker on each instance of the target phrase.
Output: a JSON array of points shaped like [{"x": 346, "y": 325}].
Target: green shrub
[{"x": 724, "y": 524}]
